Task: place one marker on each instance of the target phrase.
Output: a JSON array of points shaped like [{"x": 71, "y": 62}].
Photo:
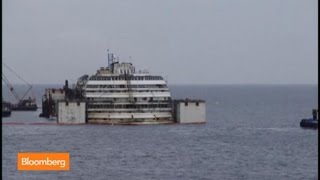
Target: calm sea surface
[{"x": 252, "y": 132}]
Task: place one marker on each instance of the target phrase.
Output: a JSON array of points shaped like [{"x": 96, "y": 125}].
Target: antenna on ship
[{"x": 110, "y": 59}]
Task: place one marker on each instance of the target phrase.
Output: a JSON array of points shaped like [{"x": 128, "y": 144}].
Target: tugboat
[
  {"x": 6, "y": 109},
  {"x": 311, "y": 122}
]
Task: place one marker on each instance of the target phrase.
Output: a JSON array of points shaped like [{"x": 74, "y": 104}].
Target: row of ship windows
[
  {"x": 123, "y": 91},
  {"x": 150, "y": 99},
  {"x": 128, "y": 106},
  {"x": 127, "y": 86},
  {"x": 104, "y": 78}
]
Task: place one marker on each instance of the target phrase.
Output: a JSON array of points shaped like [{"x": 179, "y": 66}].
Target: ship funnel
[{"x": 66, "y": 85}]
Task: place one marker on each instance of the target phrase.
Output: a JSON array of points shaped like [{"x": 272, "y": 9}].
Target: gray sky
[{"x": 187, "y": 41}]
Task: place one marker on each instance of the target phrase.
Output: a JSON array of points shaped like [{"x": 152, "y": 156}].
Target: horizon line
[{"x": 200, "y": 84}]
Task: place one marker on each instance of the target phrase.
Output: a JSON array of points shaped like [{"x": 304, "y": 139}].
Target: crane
[
  {"x": 22, "y": 103},
  {"x": 15, "y": 94}
]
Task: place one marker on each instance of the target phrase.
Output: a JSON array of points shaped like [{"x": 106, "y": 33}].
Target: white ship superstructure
[{"x": 118, "y": 94}]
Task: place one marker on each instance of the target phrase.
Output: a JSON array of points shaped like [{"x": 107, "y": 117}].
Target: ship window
[
  {"x": 186, "y": 103},
  {"x": 197, "y": 103},
  {"x": 67, "y": 103}
]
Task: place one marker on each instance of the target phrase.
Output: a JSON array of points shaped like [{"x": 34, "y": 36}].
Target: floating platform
[
  {"x": 189, "y": 111},
  {"x": 184, "y": 111}
]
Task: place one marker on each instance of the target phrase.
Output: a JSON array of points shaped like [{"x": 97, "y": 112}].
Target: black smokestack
[{"x": 66, "y": 86}]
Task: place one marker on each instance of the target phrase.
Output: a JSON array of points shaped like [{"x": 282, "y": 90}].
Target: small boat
[
  {"x": 6, "y": 109},
  {"x": 311, "y": 122}
]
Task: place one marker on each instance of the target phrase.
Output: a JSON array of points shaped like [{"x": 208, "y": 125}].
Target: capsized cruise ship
[{"x": 119, "y": 94}]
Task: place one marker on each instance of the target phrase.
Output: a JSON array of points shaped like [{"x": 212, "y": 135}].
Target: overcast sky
[{"x": 186, "y": 41}]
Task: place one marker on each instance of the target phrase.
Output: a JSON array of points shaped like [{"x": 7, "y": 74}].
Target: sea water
[{"x": 252, "y": 132}]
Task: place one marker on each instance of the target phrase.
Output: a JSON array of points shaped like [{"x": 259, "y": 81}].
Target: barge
[{"x": 25, "y": 105}]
